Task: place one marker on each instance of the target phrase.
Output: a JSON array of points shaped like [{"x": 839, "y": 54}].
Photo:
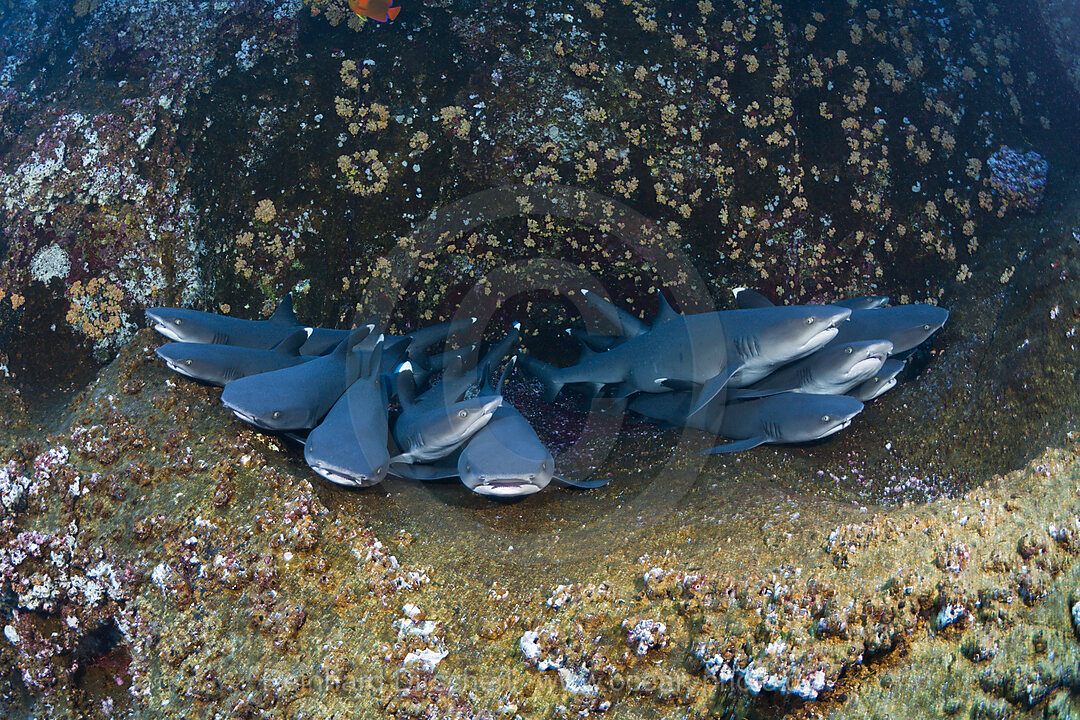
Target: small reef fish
[{"x": 377, "y": 10}]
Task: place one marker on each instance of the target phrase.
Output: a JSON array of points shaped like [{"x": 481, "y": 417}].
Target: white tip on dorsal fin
[
  {"x": 584, "y": 291},
  {"x": 473, "y": 319},
  {"x": 660, "y": 381},
  {"x": 517, "y": 325},
  {"x": 737, "y": 290},
  {"x": 404, "y": 367},
  {"x": 505, "y": 374},
  {"x": 309, "y": 330}
]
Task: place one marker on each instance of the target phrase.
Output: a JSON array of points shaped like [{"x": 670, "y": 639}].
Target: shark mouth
[
  {"x": 506, "y": 487},
  {"x": 167, "y": 331},
  {"x": 865, "y": 365},
  {"x": 820, "y": 338},
  {"x": 339, "y": 478},
  {"x": 836, "y": 428},
  {"x": 181, "y": 369},
  {"x": 248, "y": 418}
]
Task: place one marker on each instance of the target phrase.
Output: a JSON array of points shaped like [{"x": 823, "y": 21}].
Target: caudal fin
[{"x": 545, "y": 373}]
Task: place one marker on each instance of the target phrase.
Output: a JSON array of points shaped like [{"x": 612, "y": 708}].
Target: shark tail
[{"x": 546, "y": 374}]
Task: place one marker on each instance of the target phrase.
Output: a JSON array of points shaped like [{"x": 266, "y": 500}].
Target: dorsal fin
[
  {"x": 664, "y": 311},
  {"x": 505, "y": 374},
  {"x": 501, "y": 349},
  {"x": 746, "y": 299},
  {"x": 284, "y": 314},
  {"x": 355, "y": 338},
  {"x": 368, "y": 342},
  {"x": 626, "y": 324},
  {"x": 406, "y": 385},
  {"x": 375, "y": 359},
  {"x": 292, "y": 342}
]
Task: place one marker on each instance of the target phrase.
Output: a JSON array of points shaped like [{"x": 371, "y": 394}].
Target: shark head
[
  {"x": 854, "y": 361},
  {"x": 252, "y": 401},
  {"x": 359, "y": 464},
  {"x": 797, "y": 330},
  {"x": 912, "y": 324},
  {"x": 881, "y": 382},
  {"x": 182, "y": 325},
  {"x": 197, "y": 361},
  {"x": 506, "y": 459},
  {"x": 440, "y": 431},
  {"x": 799, "y": 417}
]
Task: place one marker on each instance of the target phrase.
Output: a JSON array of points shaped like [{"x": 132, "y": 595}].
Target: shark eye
[
  {"x": 188, "y": 361},
  {"x": 178, "y": 321},
  {"x": 463, "y": 413},
  {"x": 824, "y": 418},
  {"x": 468, "y": 467},
  {"x": 848, "y": 351},
  {"x": 925, "y": 327},
  {"x": 543, "y": 466},
  {"x": 378, "y": 470},
  {"x": 277, "y": 414},
  {"x": 809, "y": 321}
]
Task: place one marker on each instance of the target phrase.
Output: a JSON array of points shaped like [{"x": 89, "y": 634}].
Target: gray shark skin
[
  {"x": 296, "y": 398},
  {"x": 429, "y": 432},
  {"x": 833, "y": 370},
  {"x": 864, "y": 302},
  {"x": 438, "y": 422},
  {"x": 195, "y": 326},
  {"x": 748, "y": 299},
  {"x": 905, "y": 326},
  {"x": 505, "y": 458},
  {"x": 717, "y": 349},
  {"x": 777, "y": 419},
  {"x": 220, "y": 364},
  {"x": 410, "y": 346},
  {"x": 349, "y": 446},
  {"x": 882, "y": 381}
]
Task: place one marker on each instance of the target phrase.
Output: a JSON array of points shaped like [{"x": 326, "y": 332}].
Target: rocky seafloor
[{"x": 160, "y": 559}]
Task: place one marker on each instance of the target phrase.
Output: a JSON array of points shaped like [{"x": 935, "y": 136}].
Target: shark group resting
[
  {"x": 334, "y": 397},
  {"x": 755, "y": 375},
  {"x": 758, "y": 374}
]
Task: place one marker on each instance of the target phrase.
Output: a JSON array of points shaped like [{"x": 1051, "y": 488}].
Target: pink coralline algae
[{"x": 1020, "y": 177}]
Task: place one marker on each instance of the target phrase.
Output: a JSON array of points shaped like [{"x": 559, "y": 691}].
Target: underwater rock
[{"x": 1019, "y": 177}]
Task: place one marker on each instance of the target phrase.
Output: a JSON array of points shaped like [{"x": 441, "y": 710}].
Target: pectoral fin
[
  {"x": 580, "y": 484},
  {"x": 713, "y": 388},
  {"x": 736, "y": 446},
  {"x": 748, "y": 393}
]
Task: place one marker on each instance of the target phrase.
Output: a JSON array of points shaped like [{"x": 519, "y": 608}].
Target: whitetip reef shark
[
  {"x": 905, "y": 326},
  {"x": 882, "y": 381},
  {"x": 784, "y": 418},
  {"x": 833, "y": 370},
  {"x": 349, "y": 446},
  {"x": 438, "y": 422},
  {"x": 298, "y": 397},
  {"x": 220, "y": 364},
  {"x": 714, "y": 350}
]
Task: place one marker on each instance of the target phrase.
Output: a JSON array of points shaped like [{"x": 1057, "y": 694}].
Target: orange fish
[{"x": 377, "y": 10}]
